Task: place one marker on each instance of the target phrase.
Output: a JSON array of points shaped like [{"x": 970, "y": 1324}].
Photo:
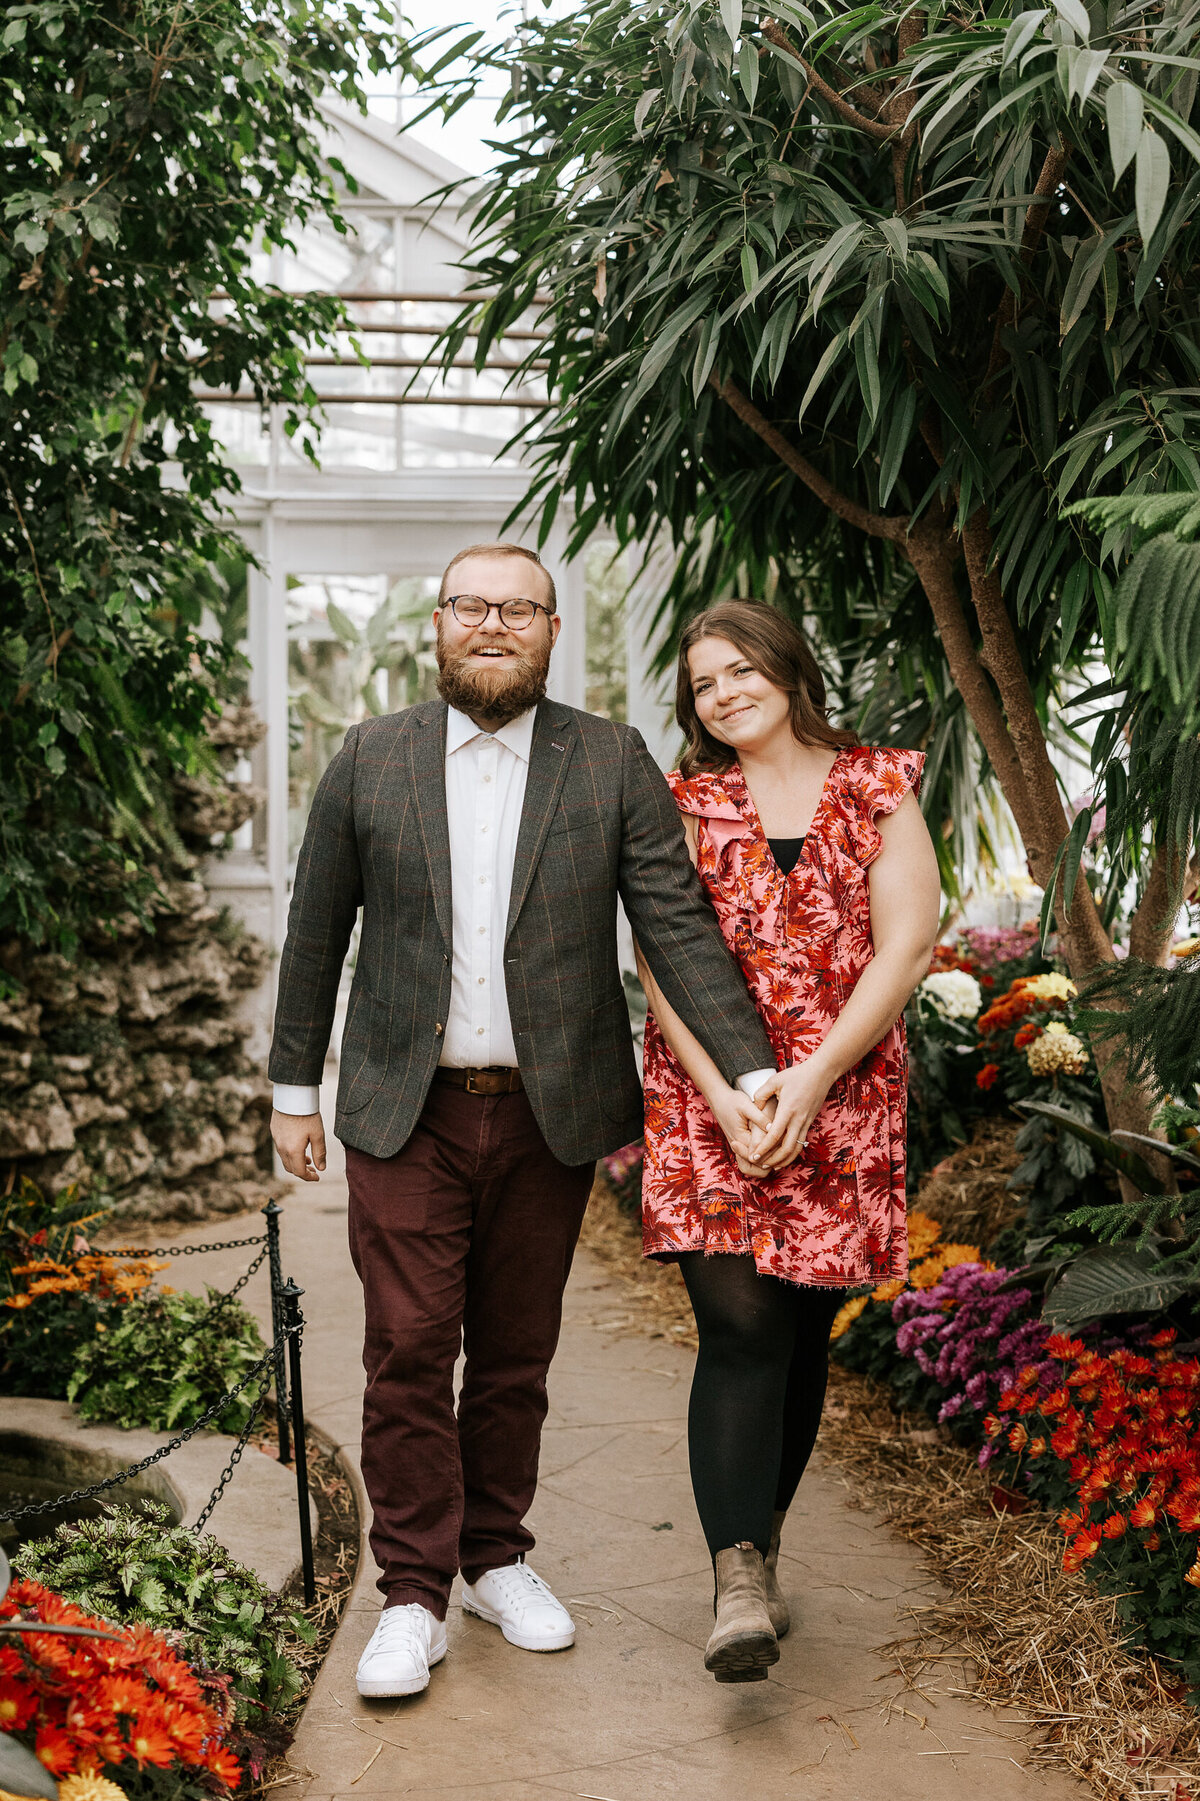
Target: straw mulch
[
  {"x": 1010, "y": 1628},
  {"x": 967, "y": 1193}
]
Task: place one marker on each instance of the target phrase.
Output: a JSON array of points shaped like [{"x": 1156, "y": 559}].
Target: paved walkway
[{"x": 629, "y": 1714}]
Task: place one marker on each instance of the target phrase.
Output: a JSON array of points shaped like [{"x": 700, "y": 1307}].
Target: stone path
[{"x": 629, "y": 1714}]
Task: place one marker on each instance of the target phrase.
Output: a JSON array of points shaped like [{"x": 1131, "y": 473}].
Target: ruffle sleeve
[
  {"x": 704, "y": 796},
  {"x": 878, "y": 780}
]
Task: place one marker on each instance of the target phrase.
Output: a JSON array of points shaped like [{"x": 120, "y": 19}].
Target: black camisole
[{"x": 786, "y": 852}]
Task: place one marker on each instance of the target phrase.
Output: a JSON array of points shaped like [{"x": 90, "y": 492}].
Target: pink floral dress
[{"x": 835, "y": 1218}]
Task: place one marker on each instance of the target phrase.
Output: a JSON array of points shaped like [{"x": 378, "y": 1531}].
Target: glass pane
[{"x": 357, "y": 645}]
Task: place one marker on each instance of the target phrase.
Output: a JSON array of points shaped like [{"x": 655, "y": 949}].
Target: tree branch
[
  {"x": 1047, "y": 185},
  {"x": 876, "y": 525},
  {"x": 1153, "y": 919},
  {"x": 929, "y": 551},
  {"x": 873, "y": 127}
]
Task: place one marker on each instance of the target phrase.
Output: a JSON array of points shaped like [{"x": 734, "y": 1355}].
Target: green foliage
[
  {"x": 135, "y": 1566},
  {"x": 820, "y": 285},
  {"x": 152, "y": 153},
  {"x": 164, "y": 1359},
  {"x": 1155, "y": 1013}
]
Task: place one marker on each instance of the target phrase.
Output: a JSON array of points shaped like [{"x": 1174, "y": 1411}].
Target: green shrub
[
  {"x": 164, "y": 1359},
  {"x": 132, "y": 1566}
]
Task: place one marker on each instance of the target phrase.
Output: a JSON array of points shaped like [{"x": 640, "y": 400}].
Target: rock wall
[{"x": 124, "y": 1069}]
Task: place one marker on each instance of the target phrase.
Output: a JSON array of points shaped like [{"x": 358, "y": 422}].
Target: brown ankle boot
[
  {"x": 743, "y": 1643},
  {"x": 777, "y": 1606}
]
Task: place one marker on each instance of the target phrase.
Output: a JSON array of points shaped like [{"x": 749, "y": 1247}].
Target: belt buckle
[{"x": 470, "y": 1082}]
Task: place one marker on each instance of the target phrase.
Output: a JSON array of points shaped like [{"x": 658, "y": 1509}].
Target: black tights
[{"x": 757, "y": 1393}]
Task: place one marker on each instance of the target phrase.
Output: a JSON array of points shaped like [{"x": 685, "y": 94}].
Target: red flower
[
  {"x": 1114, "y": 1526},
  {"x": 1142, "y": 1513},
  {"x": 987, "y": 1076},
  {"x": 1026, "y": 1035},
  {"x": 54, "y": 1749},
  {"x": 18, "y": 1704}
]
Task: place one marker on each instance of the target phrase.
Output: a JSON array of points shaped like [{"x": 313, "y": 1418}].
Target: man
[{"x": 486, "y": 1064}]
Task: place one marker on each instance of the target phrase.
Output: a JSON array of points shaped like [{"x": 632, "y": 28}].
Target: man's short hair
[{"x": 496, "y": 550}]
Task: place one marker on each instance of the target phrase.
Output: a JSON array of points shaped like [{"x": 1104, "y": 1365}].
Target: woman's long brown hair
[{"x": 777, "y": 649}]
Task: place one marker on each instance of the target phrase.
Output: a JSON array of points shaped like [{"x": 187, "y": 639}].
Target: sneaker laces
[
  {"x": 400, "y": 1629},
  {"x": 519, "y": 1583}
]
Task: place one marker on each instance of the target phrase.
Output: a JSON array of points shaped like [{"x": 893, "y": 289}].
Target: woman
[{"x": 816, "y": 858}]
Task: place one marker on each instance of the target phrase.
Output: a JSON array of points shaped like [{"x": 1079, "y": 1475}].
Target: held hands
[
  {"x": 300, "y": 1141},
  {"x": 798, "y": 1093},
  {"x": 743, "y": 1122}
]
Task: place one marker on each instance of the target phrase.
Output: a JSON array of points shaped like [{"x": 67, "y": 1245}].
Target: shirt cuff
[
  {"x": 751, "y": 1083},
  {"x": 293, "y": 1098}
]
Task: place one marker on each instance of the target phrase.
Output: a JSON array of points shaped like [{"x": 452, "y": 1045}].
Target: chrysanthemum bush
[
  {"x": 132, "y": 1565},
  {"x": 79, "y": 1324},
  {"x": 1102, "y": 1428},
  {"x": 54, "y": 1289},
  {"x": 125, "y": 1708},
  {"x": 1114, "y": 1446}
]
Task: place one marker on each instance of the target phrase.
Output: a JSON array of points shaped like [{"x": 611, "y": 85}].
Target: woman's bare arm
[{"x": 905, "y": 896}]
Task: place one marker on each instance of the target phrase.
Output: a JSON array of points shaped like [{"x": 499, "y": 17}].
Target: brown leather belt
[{"x": 481, "y": 1081}]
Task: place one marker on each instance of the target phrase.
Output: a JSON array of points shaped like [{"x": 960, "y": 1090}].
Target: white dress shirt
[{"x": 485, "y": 792}]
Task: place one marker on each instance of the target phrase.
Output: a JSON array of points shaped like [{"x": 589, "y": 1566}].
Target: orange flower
[
  {"x": 54, "y": 1750},
  {"x": 1026, "y": 1035},
  {"x": 1018, "y": 1438},
  {"x": 18, "y": 1704},
  {"x": 1142, "y": 1513},
  {"x": 1193, "y": 1575},
  {"x": 987, "y": 1076},
  {"x": 1114, "y": 1526}
]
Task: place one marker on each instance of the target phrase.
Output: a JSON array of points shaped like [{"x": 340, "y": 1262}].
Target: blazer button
[{"x": 437, "y": 1031}]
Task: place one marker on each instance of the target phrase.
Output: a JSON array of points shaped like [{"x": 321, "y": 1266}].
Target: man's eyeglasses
[{"x": 469, "y": 609}]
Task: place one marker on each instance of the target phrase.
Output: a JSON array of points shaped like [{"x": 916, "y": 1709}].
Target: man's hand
[
  {"x": 300, "y": 1141},
  {"x": 742, "y": 1122}
]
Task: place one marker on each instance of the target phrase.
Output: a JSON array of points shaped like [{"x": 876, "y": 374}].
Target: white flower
[{"x": 954, "y": 993}]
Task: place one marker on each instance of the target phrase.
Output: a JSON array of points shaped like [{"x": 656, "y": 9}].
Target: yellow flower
[
  {"x": 1056, "y": 1050},
  {"x": 1187, "y": 947},
  {"x": 89, "y": 1788},
  {"x": 1050, "y": 987},
  {"x": 1193, "y": 1575},
  {"x": 922, "y": 1233},
  {"x": 846, "y": 1315}
]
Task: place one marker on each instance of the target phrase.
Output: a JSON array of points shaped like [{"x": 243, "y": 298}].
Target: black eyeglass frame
[{"x": 452, "y": 600}]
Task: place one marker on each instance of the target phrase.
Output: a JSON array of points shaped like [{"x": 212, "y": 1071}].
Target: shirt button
[
  {"x": 479, "y": 1031},
  {"x": 482, "y": 980},
  {"x": 487, "y": 778},
  {"x": 482, "y": 930},
  {"x": 483, "y": 881}
]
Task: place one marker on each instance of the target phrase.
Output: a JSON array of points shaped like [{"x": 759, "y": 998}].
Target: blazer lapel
[
  {"x": 427, "y": 767},
  {"x": 553, "y": 746}
]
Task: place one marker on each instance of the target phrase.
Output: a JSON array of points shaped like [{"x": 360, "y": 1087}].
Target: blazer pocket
[{"x": 365, "y": 1052}]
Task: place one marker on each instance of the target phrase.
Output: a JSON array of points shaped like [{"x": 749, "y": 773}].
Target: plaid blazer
[{"x": 598, "y": 820}]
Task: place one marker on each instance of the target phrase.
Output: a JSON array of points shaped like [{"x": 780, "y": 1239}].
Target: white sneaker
[
  {"x": 523, "y": 1607},
  {"x": 405, "y": 1643}
]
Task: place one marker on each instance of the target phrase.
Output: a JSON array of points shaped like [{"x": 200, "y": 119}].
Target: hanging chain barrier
[
  {"x": 280, "y": 1364},
  {"x": 189, "y": 1250}
]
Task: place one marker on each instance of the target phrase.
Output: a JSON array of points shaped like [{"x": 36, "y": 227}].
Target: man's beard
[{"x": 498, "y": 695}]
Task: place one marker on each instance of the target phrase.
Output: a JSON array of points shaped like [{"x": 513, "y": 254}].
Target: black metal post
[
  {"x": 293, "y": 1321},
  {"x": 272, "y": 1212}
]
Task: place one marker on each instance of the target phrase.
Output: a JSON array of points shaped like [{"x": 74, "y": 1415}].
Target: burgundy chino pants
[{"x": 464, "y": 1237}]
